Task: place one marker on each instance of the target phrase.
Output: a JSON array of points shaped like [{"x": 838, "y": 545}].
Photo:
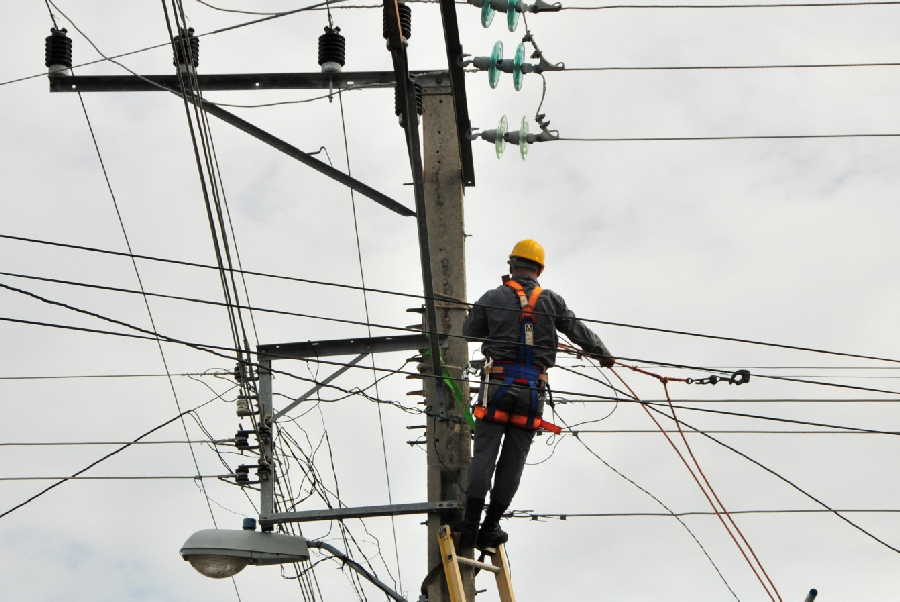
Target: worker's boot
[
  {"x": 468, "y": 526},
  {"x": 491, "y": 535}
]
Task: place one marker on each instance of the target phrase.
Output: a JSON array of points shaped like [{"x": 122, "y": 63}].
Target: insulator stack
[
  {"x": 242, "y": 439},
  {"x": 244, "y": 407},
  {"x": 187, "y": 49},
  {"x": 398, "y": 110},
  {"x": 242, "y": 475},
  {"x": 390, "y": 17},
  {"x": 58, "y": 51},
  {"x": 332, "y": 50}
]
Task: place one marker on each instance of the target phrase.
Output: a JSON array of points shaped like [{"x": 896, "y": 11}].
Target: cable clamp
[{"x": 739, "y": 377}]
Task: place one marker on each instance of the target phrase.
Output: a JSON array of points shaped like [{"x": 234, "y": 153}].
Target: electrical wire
[
  {"x": 568, "y": 515},
  {"x": 79, "y": 376},
  {"x": 719, "y": 138},
  {"x": 456, "y": 301},
  {"x": 362, "y": 278},
  {"x": 71, "y": 443},
  {"x": 718, "y": 6},
  {"x": 731, "y": 528},
  {"x": 137, "y": 274},
  {"x": 661, "y": 503},
  {"x": 120, "y": 449},
  {"x": 197, "y": 477},
  {"x": 731, "y": 67},
  {"x": 210, "y": 349},
  {"x": 780, "y": 477},
  {"x": 366, "y": 323}
]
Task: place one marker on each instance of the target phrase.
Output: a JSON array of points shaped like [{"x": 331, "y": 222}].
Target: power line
[
  {"x": 362, "y": 278},
  {"x": 450, "y": 300},
  {"x": 600, "y": 399},
  {"x": 137, "y": 272},
  {"x": 714, "y": 138},
  {"x": 79, "y": 376},
  {"x": 196, "y": 477},
  {"x": 730, "y": 432},
  {"x": 567, "y": 515},
  {"x": 125, "y": 446},
  {"x": 719, "y": 6},
  {"x": 76, "y": 443},
  {"x": 780, "y": 477},
  {"x": 210, "y": 349},
  {"x": 661, "y": 503},
  {"x": 733, "y": 67},
  {"x": 404, "y": 328}
]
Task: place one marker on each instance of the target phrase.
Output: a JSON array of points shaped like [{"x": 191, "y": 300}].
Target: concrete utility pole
[{"x": 448, "y": 441}]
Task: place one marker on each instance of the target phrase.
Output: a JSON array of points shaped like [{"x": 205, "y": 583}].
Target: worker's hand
[{"x": 607, "y": 361}]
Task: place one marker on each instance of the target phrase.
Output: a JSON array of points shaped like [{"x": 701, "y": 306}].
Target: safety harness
[{"x": 523, "y": 371}]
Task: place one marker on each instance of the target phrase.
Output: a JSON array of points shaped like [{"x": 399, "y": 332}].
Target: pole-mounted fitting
[
  {"x": 389, "y": 18},
  {"x": 244, "y": 406},
  {"x": 58, "y": 52},
  {"x": 242, "y": 440},
  {"x": 512, "y": 8},
  {"x": 186, "y": 50},
  {"x": 495, "y": 64},
  {"x": 398, "y": 110},
  {"x": 332, "y": 50},
  {"x": 501, "y": 135}
]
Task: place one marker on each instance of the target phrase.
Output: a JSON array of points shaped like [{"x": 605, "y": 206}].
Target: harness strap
[{"x": 517, "y": 420}]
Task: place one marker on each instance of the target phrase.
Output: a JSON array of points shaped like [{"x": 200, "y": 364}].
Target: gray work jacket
[{"x": 495, "y": 318}]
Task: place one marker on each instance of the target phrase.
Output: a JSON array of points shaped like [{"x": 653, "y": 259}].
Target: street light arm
[{"x": 356, "y": 567}]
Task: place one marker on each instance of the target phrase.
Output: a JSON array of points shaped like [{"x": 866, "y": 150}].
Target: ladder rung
[{"x": 478, "y": 565}]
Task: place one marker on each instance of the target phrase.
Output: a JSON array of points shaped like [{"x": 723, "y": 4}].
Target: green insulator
[
  {"x": 500, "y": 142},
  {"x": 512, "y": 15},
  {"x": 494, "y": 69},
  {"x": 518, "y": 61},
  {"x": 523, "y": 138},
  {"x": 487, "y": 13}
]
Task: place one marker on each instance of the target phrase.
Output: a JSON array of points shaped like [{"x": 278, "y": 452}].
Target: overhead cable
[
  {"x": 661, "y": 503},
  {"x": 709, "y": 492},
  {"x": 718, "y": 6},
  {"x": 77, "y": 473},
  {"x": 78, "y": 376},
  {"x": 732, "y": 67},
  {"x": 780, "y": 477},
  {"x": 714, "y": 138},
  {"x": 448, "y": 300},
  {"x": 568, "y": 515},
  {"x": 137, "y": 274},
  {"x": 196, "y": 477}
]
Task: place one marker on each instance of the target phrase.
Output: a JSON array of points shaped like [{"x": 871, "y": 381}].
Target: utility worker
[{"x": 517, "y": 323}]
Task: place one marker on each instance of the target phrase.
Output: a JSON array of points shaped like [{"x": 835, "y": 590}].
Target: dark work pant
[{"x": 510, "y": 442}]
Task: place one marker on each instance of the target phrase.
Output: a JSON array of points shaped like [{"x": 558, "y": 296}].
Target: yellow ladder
[{"x": 499, "y": 566}]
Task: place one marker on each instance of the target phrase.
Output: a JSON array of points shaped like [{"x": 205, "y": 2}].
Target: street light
[{"x": 220, "y": 553}]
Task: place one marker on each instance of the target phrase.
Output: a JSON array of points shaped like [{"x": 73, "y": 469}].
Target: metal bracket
[{"x": 359, "y": 512}]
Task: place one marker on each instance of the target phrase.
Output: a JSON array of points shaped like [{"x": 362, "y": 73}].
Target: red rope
[{"x": 767, "y": 583}]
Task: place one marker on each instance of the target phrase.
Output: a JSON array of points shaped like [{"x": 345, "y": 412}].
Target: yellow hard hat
[{"x": 530, "y": 250}]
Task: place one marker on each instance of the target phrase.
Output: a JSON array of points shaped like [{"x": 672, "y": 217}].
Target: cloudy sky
[{"x": 786, "y": 241}]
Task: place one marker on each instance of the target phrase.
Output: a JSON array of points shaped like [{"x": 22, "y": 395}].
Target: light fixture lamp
[{"x": 220, "y": 553}]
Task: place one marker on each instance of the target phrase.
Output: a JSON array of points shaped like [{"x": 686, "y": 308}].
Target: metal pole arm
[{"x": 356, "y": 567}]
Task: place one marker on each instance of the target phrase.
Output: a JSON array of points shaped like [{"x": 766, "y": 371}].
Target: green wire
[{"x": 454, "y": 389}]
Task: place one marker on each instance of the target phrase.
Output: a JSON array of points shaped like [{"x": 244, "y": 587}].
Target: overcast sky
[{"x": 786, "y": 241}]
